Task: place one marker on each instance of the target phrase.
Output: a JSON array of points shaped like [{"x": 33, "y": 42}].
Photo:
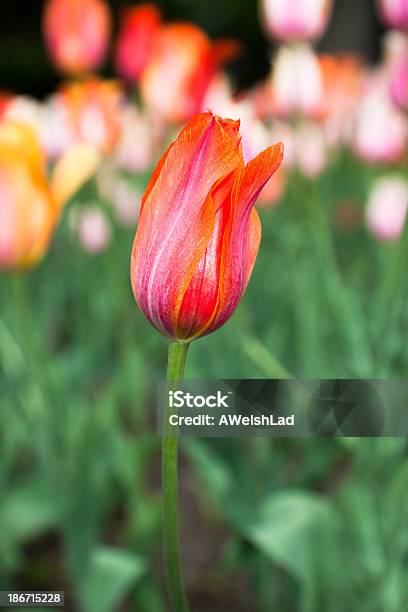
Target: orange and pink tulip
[
  {"x": 198, "y": 233},
  {"x": 180, "y": 69},
  {"x": 77, "y": 34},
  {"x": 93, "y": 110}
]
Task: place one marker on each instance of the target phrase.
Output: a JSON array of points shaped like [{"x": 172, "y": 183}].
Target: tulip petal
[
  {"x": 72, "y": 170},
  {"x": 200, "y": 298},
  {"x": 242, "y": 236},
  {"x": 177, "y": 219}
]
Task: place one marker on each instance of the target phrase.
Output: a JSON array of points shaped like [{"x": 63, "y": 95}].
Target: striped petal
[
  {"x": 242, "y": 235},
  {"x": 178, "y": 216}
]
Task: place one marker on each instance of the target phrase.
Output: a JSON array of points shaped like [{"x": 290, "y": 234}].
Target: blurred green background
[{"x": 310, "y": 525}]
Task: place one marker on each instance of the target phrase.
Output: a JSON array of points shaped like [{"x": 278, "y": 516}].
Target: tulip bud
[
  {"x": 182, "y": 65},
  {"x": 297, "y": 83},
  {"x": 378, "y": 131},
  {"x": 387, "y": 207},
  {"x": 296, "y": 20},
  {"x": 93, "y": 229},
  {"x": 198, "y": 233},
  {"x": 76, "y": 33},
  {"x": 311, "y": 149},
  {"x": 395, "y": 13},
  {"x": 27, "y": 211},
  {"x": 30, "y": 205},
  {"x": 135, "y": 147},
  {"x": 396, "y": 64},
  {"x": 93, "y": 112},
  {"x": 136, "y": 40},
  {"x": 126, "y": 200}
]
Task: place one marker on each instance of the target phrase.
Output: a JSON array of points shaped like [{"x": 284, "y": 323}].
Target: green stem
[{"x": 172, "y": 558}]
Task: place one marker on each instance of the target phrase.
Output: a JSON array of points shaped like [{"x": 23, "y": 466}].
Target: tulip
[
  {"x": 93, "y": 110},
  {"x": 137, "y": 37},
  {"x": 387, "y": 207},
  {"x": 395, "y": 13},
  {"x": 297, "y": 82},
  {"x": 378, "y": 131},
  {"x": 93, "y": 229},
  {"x": 135, "y": 146},
  {"x": 311, "y": 149},
  {"x": 126, "y": 198},
  {"x": 5, "y": 100},
  {"x": 396, "y": 64},
  {"x": 76, "y": 33},
  {"x": 295, "y": 20},
  {"x": 30, "y": 204},
  {"x": 198, "y": 233},
  {"x": 181, "y": 66}
]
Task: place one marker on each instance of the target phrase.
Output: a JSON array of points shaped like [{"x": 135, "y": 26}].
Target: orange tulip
[
  {"x": 76, "y": 33},
  {"x": 30, "y": 204},
  {"x": 140, "y": 27},
  {"x": 180, "y": 69},
  {"x": 198, "y": 233},
  {"x": 93, "y": 110}
]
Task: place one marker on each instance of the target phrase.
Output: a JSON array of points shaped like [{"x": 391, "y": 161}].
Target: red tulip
[
  {"x": 139, "y": 29},
  {"x": 198, "y": 233},
  {"x": 77, "y": 33},
  {"x": 180, "y": 69}
]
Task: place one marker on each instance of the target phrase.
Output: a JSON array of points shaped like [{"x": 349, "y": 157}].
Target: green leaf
[
  {"x": 112, "y": 573},
  {"x": 295, "y": 529},
  {"x": 27, "y": 511}
]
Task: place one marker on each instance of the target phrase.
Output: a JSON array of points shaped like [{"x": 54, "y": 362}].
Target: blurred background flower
[
  {"x": 287, "y": 20},
  {"x": 77, "y": 33}
]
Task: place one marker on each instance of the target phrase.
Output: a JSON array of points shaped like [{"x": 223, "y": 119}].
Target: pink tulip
[
  {"x": 77, "y": 33},
  {"x": 396, "y": 63},
  {"x": 126, "y": 202},
  {"x": 288, "y": 20},
  {"x": 311, "y": 149},
  {"x": 135, "y": 147},
  {"x": 297, "y": 82},
  {"x": 378, "y": 131},
  {"x": 94, "y": 231},
  {"x": 387, "y": 207},
  {"x": 395, "y": 13}
]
